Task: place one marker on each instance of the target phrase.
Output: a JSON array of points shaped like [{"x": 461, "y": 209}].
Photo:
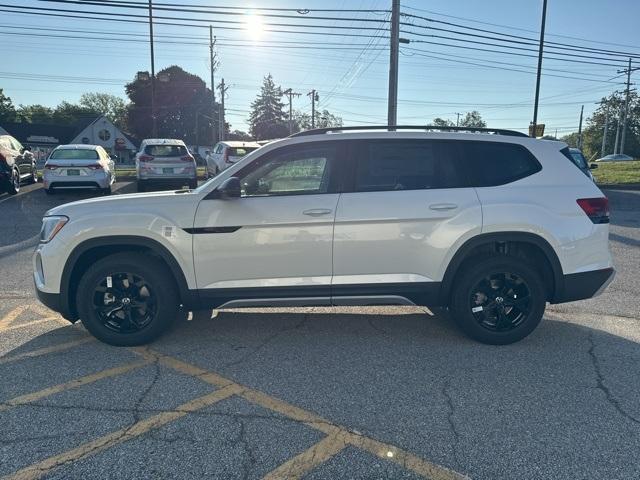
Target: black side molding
[{"x": 203, "y": 230}]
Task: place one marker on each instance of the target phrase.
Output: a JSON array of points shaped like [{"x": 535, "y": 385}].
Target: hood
[{"x": 178, "y": 200}]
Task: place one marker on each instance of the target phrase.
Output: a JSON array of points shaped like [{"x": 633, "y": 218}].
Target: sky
[{"x": 350, "y": 72}]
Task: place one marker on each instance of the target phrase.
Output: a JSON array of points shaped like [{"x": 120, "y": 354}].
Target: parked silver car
[
  {"x": 165, "y": 162},
  {"x": 79, "y": 166}
]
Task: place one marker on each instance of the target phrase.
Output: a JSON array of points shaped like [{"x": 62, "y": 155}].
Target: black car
[{"x": 17, "y": 164}]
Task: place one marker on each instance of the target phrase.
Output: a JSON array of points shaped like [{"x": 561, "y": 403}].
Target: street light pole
[
  {"x": 392, "y": 111},
  {"x": 154, "y": 123},
  {"x": 540, "y": 51}
]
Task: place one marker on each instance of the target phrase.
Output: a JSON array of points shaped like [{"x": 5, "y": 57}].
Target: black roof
[
  {"x": 63, "y": 133},
  {"x": 389, "y": 128}
]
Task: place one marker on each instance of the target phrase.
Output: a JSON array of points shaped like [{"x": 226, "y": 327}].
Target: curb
[
  {"x": 619, "y": 186},
  {"x": 29, "y": 242}
]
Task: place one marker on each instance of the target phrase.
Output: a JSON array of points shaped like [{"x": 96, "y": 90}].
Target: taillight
[
  {"x": 145, "y": 158},
  {"x": 597, "y": 209},
  {"x": 95, "y": 166},
  {"x": 226, "y": 156},
  {"x": 187, "y": 158},
  {"x": 51, "y": 166}
]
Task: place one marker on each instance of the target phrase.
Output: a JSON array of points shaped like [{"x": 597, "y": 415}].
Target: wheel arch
[
  {"x": 511, "y": 243},
  {"x": 89, "y": 251}
]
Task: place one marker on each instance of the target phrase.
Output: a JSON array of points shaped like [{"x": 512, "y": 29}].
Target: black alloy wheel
[
  {"x": 125, "y": 303},
  {"x": 500, "y": 302}
]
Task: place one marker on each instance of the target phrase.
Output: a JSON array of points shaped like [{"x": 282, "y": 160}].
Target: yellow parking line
[
  {"x": 301, "y": 464},
  {"x": 403, "y": 458},
  {"x": 40, "y": 469},
  {"x": 11, "y": 316},
  {"x": 43, "y": 351},
  {"x": 335, "y": 432},
  {"x": 78, "y": 382},
  {"x": 32, "y": 323}
]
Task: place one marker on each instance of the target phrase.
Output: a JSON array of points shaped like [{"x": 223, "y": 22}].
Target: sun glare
[{"x": 253, "y": 24}]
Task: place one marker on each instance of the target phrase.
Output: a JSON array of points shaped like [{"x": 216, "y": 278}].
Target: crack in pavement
[
  {"x": 600, "y": 382},
  {"x": 241, "y": 439}
]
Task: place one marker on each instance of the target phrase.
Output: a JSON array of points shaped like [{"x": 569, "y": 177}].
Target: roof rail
[{"x": 389, "y": 128}]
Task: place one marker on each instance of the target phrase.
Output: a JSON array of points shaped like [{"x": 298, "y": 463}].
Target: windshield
[
  {"x": 166, "y": 150},
  {"x": 74, "y": 154},
  {"x": 240, "y": 151}
]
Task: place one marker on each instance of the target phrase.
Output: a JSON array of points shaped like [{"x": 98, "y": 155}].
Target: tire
[
  {"x": 514, "y": 312},
  {"x": 49, "y": 191},
  {"x": 106, "y": 191},
  {"x": 143, "y": 280},
  {"x": 141, "y": 187},
  {"x": 34, "y": 175},
  {"x": 193, "y": 184},
  {"x": 14, "y": 184}
]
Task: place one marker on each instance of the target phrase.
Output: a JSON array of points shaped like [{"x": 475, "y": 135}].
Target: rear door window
[
  {"x": 406, "y": 165},
  {"x": 166, "y": 150},
  {"x": 494, "y": 163}
]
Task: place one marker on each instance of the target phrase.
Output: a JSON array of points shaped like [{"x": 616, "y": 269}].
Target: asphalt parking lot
[{"x": 314, "y": 393}]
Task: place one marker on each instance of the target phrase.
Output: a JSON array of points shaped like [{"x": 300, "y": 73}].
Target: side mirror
[
  {"x": 230, "y": 188},
  {"x": 593, "y": 166}
]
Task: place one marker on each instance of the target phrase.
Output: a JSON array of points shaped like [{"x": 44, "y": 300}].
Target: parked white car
[
  {"x": 164, "y": 161},
  {"x": 493, "y": 225},
  {"x": 227, "y": 153},
  {"x": 79, "y": 166}
]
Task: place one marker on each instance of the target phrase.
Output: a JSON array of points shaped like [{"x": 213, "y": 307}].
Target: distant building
[{"x": 42, "y": 138}]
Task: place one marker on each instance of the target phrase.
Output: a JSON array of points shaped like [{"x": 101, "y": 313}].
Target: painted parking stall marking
[{"x": 336, "y": 440}]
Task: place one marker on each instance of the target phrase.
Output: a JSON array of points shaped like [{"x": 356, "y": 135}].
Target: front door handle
[
  {"x": 443, "y": 206},
  {"x": 317, "y": 212}
]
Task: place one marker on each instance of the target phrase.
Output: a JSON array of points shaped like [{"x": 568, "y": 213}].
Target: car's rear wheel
[
  {"x": 498, "y": 300},
  {"x": 14, "y": 182},
  {"x": 141, "y": 186},
  {"x": 127, "y": 299}
]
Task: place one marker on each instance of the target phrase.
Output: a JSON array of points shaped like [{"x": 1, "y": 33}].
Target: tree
[
  {"x": 34, "y": 114},
  {"x": 112, "y": 106},
  {"x": 7, "y": 110},
  {"x": 441, "y": 122},
  {"x": 182, "y": 103},
  {"x": 239, "y": 135},
  {"x": 324, "y": 119},
  {"x": 473, "y": 119},
  {"x": 267, "y": 118},
  {"x": 70, "y": 113},
  {"x": 594, "y": 130}
]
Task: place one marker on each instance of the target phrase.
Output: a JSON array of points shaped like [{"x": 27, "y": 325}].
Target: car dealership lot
[{"x": 319, "y": 393}]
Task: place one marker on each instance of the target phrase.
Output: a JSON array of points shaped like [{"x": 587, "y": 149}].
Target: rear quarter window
[{"x": 494, "y": 163}]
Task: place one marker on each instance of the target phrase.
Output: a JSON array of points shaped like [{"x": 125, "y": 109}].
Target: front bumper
[{"x": 579, "y": 286}]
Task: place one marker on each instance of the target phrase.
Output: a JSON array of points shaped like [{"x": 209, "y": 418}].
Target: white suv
[
  {"x": 163, "y": 161},
  {"x": 226, "y": 154},
  {"x": 492, "y": 225}
]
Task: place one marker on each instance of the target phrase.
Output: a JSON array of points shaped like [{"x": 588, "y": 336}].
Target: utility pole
[
  {"x": 604, "y": 135},
  {"x": 540, "y": 51},
  {"x": 457, "y": 119},
  {"x": 290, "y": 93},
  {"x": 314, "y": 98},
  {"x": 628, "y": 71},
  {"x": 580, "y": 128},
  {"x": 615, "y": 145},
  {"x": 392, "y": 114},
  {"x": 213, "y": 61},
  {"x": 154, "y": 120},
  {"x": 223, "y": 91}
]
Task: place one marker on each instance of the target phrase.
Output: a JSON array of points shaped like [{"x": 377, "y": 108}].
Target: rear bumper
[
  {"x": 99, "y": 180},
  {"x": 579, "y": 286}
]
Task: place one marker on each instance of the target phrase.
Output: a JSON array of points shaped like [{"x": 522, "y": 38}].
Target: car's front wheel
[
  {"x": 127, "y": 299},
  {"x": 498, "y": 300}
]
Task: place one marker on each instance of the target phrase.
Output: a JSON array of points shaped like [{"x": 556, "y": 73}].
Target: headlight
[{"x": 51, "y": 226}]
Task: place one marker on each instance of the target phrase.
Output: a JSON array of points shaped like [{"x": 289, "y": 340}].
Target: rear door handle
[
  {"x": 443, "y": 206},
  {"x": 317, "y": 212}
]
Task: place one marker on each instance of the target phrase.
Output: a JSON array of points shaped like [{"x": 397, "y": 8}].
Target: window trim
[{"x": 335, "y": 173}]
